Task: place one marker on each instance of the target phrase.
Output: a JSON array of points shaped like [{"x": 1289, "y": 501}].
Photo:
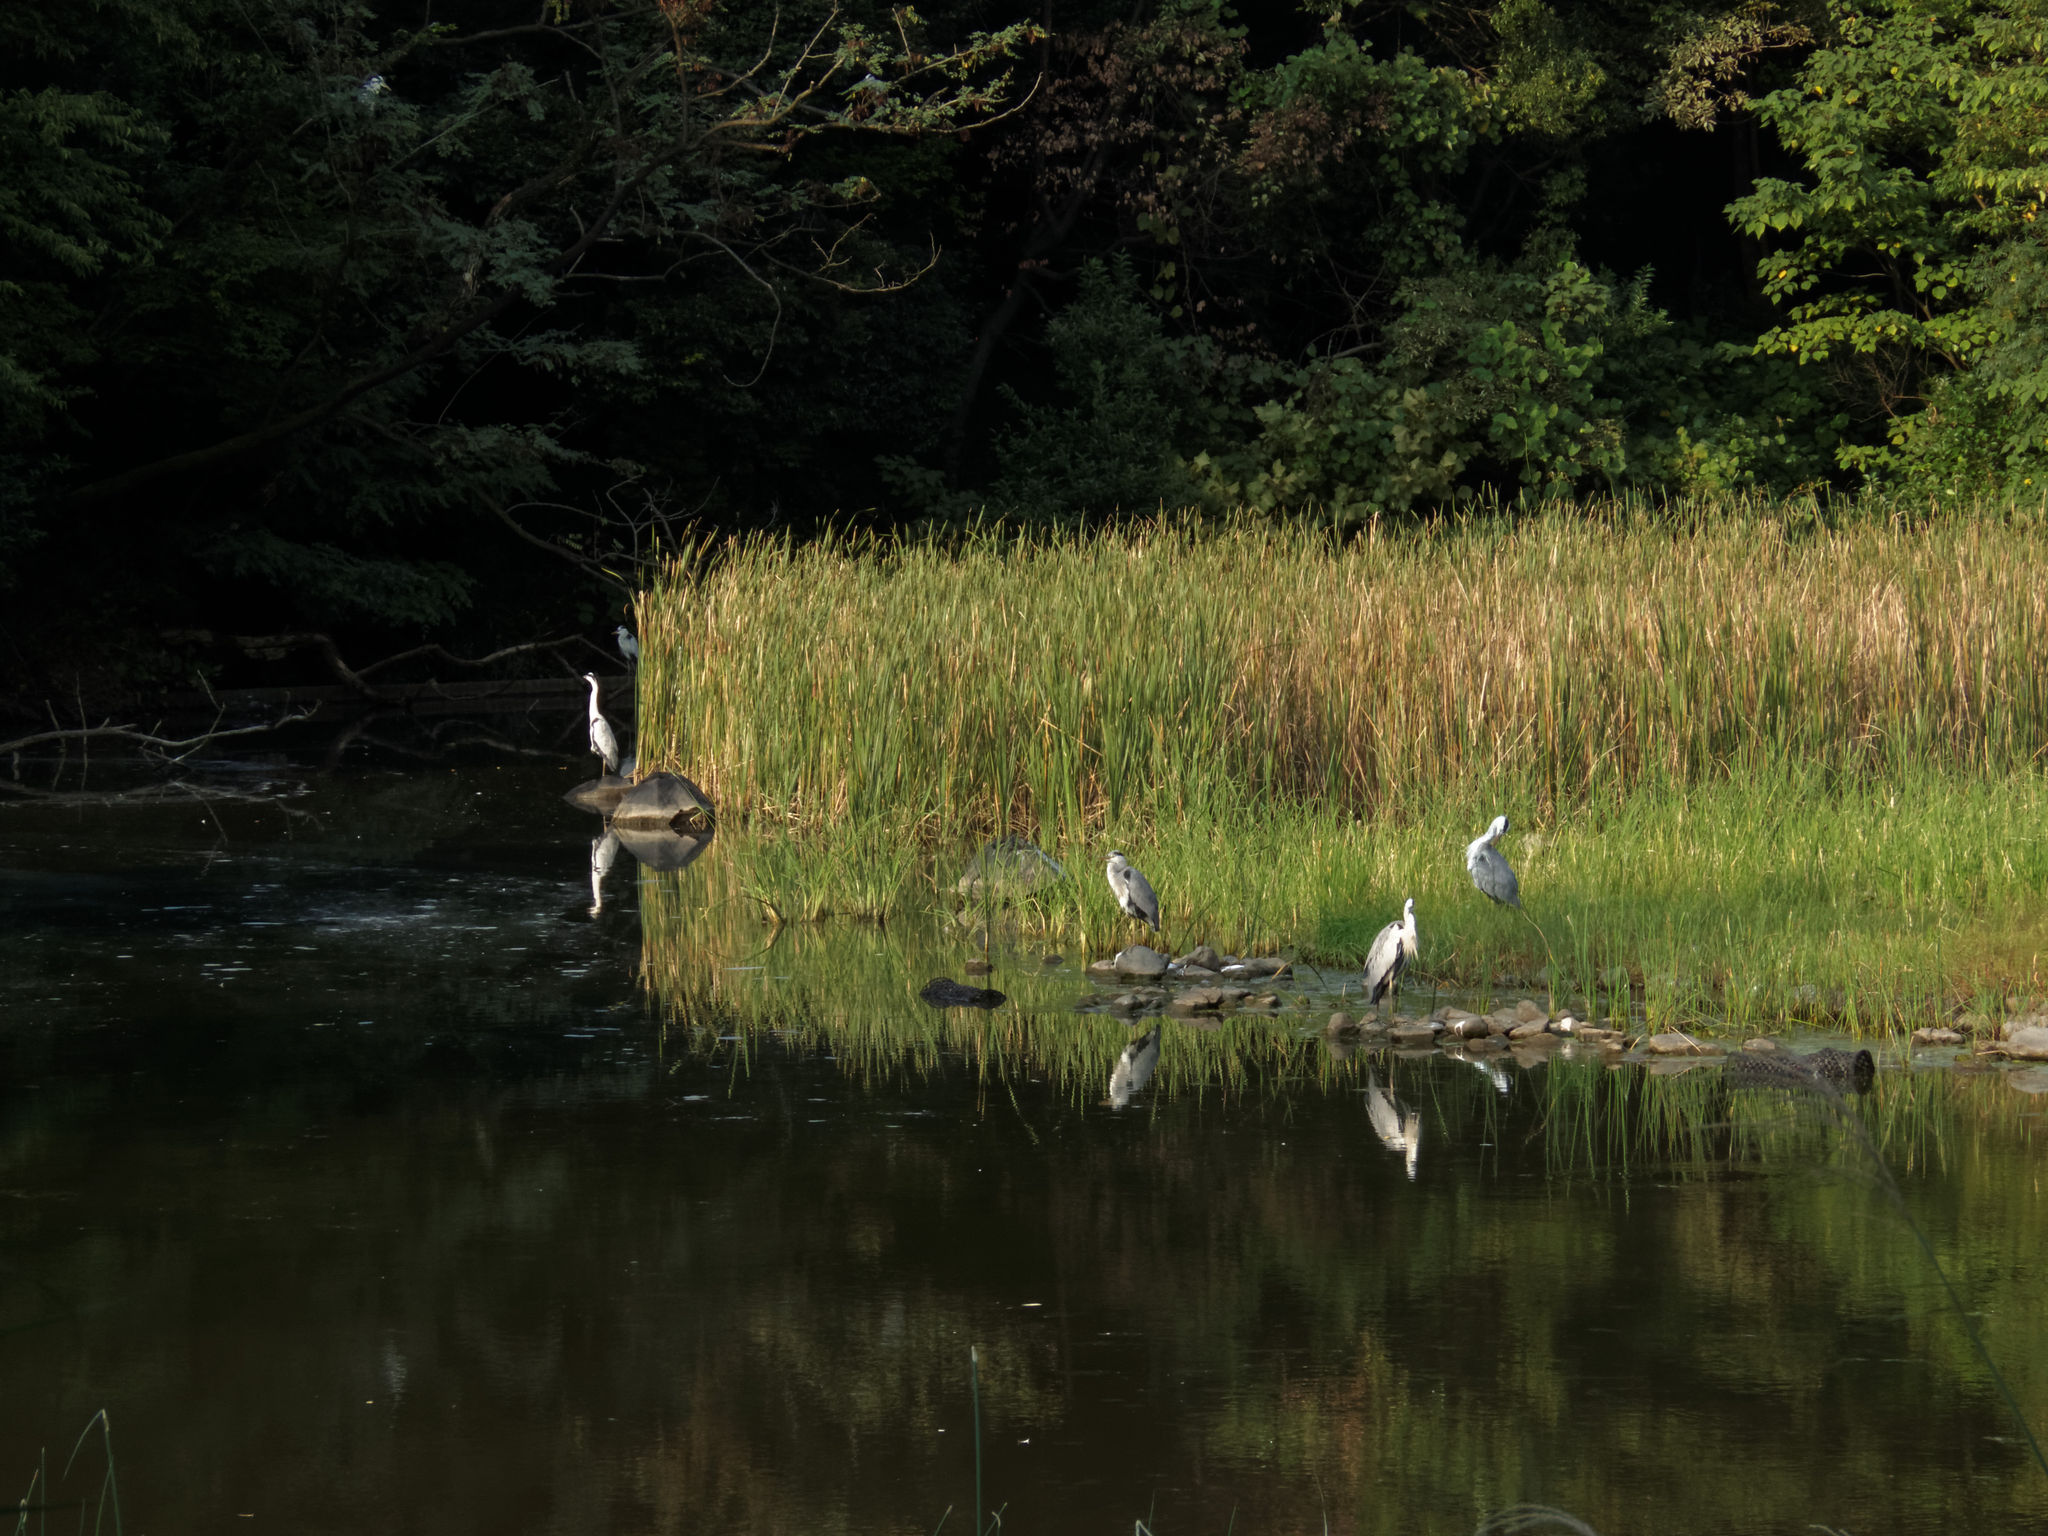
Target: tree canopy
[{"x": 403, "y": 318}]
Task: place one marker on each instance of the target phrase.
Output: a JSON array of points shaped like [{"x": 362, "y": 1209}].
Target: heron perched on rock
[
  {"x": 602, "y": 740},
  {"x": 628, "y": 646},
  {"x": 1133, "y": 891},
  {"x": 1489, "y": 870},
  {"x": 1398, "y": 1127},
  {"x": 1390, "y": 955}
]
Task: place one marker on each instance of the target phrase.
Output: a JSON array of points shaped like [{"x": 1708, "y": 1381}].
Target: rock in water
[
  {"x": 1008, "y": 867},
  {"x": 1825, "y": 1071},
  {"x": 659, "y": 799},
  {"x": 943, "y": 992},
  {"x": 601, "y": 795},
  {"x": 1141, "y": 961}
]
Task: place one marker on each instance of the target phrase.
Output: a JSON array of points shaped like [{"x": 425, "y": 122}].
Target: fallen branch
[{"x": 146, "y": 738}]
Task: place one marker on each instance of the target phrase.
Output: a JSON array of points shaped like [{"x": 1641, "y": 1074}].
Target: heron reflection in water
[
  {"x": 1134, "y": 1068},
  {"x": 1398, "y": 1127},
  {"x": 602, "y": 851}
]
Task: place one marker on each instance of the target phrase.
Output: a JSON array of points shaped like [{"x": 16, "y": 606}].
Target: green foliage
[
  {"x": 1132, "y": 393},
  {"x": 1911, "y": 267}
]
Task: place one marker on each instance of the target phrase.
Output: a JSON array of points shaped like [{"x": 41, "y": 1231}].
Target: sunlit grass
[{"x": 1757, "y": 766}]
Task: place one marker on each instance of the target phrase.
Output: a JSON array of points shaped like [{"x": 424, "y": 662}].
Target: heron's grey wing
[
  {"x": 1141, "y": 902},
  {"x": 1491, "y": 874},
  {"x": 1381, "y": 961}
]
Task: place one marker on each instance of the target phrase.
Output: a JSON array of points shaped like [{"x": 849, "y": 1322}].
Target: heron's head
[
  {"x": 1499, "y": 827},
  {"x": 1408, "y": 910},
  {"x": 1115, "y": 858},
  {"x": 590, "y": 678}
]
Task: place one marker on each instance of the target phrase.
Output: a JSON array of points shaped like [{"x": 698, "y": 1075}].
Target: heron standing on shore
[
  {"x": 1132, "y": 890},
  {"x": 602, "y": 740},
  {"x": 1390, "y": 955},
  {"x": 1489, "y": 870}
]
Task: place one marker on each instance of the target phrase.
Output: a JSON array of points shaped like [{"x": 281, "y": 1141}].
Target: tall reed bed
[{"x": 1174, "y": 672}]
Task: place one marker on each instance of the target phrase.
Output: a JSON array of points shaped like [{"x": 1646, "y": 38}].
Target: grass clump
[{"x": 1754, "y": 760}]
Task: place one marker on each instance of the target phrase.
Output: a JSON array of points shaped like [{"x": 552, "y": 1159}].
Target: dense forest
[{"x": 438, "y": 318}]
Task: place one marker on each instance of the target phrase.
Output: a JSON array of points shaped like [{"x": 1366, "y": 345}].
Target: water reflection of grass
[{"x": 1756, "y": 768}]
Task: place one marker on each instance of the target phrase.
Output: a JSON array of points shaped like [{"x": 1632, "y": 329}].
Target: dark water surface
[{"x": 370, "y": 1181}]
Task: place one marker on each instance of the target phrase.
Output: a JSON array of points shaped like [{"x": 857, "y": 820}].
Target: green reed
[{"x": 1757, "y": 763}]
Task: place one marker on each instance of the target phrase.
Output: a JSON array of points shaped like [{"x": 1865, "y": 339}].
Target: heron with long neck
[
  {"x": 602, "y": 739},
  {"x": 1489, "y": 870},
  {"x": 1391, "y": 953}
]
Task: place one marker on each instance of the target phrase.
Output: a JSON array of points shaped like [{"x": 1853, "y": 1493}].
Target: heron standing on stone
[
  {"x": 628, "y": 646},
  {"x": 602, "y": 741},
  {"x": 1133, "y": 891},
  {"x": 1489, "y": 870},
  {"x": 1390, "y": 955}
]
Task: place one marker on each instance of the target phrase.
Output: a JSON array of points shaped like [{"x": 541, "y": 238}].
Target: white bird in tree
[
  {"x": 602, "y": 741},
  {"x": 1133, "y": 891},
  {"x": 1489, "y": 869},
  {"x": 1390, "y": 955},
  {"x": 628, "y": 646},
  {"x": 1398, "y": 1127}
]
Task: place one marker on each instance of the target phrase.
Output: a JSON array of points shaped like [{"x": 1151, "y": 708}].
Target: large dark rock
[
  {"x": 658, "y": 799},
  {"x": 601, "y": 795},
  {"x": 1824, "y": 1071},
  {"x": 943, "y": 992}
]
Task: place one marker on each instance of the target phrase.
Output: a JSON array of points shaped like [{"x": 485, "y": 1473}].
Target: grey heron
[
  {"x": 602, "y": 741},
  {"x": 1398, "y": 1127},
  {"x": 372, "y": 87},
  {"x": 628, "y": 646},
  {"x": 1390, "y": 955},
  {"x": 1133, "y": 1069},
  {"x": 1132, "y": 890},
  {"x": 1489, "y": 870}
]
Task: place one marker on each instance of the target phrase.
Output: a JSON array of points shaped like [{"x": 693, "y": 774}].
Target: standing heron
[
  {"x": 1489, "y": 870},
  {"x": 1398, "y": 1127},
  {"x": 1132, "y": 890},
  {"x": 1390, "y": 955},
  {"x": 602, "y": 741},
  {"x": 628, "y": 646}
]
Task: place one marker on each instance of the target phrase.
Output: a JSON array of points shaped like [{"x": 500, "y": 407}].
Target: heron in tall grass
[
  {"x": 602, "y": 740},
  {"x": 1390, "y": 955},
  {"x": 628, "y": 646},
  {"x": 1489, "y": 869},
  {"x": 1132, "y": 890}
]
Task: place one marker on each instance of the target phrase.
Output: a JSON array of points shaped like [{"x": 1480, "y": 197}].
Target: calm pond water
[{"x": 369, "y": 1179}]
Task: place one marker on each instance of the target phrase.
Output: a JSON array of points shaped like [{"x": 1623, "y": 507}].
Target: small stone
[
  {"x": 1528, "y": 1011},
  {"x": 1761, "y": 1043},
  {"x": 1566, "y": 1025},
  {"x": 1198, "y": 973},
  {"x": 1203, "y": 956},
  {"x": 1052, "y": 959},
  {"x": 1676, "y": 1044},
  {"x": 1141, "y": 961},
  {"x": 1485, "y": 1044},
  {"x": 1341, "y": 1024},
  {"x": 1468, "y": 1028},
  {"x": 977, "y": 967},
  {"x": 2012, "y": 1027},
  {"x": 1449, "y": 1015},
  {"x": 1525, "y": 1032},
  {"x": 1412, "y": 1035},
  {"x": 1197, "y": 998},
  {"x": 1263, "y": 967},
  {"x": 2027, "y": 1043},
  {"x": 1266, "y": 1000},
  {"x": 1937, "y": 1037},
  {"x": 1232, "y": 994},
  {"x": 1102, "y": 968},
  {"x": 1128, "y": 1002}
]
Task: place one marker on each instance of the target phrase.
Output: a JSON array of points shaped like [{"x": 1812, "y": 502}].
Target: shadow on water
[{"x": 394, "y": 1163}]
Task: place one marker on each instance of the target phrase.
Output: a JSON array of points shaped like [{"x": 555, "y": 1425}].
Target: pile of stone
[
  {"x": 1523, "y": 1025},
  {"x": 1199, "y": 966}
]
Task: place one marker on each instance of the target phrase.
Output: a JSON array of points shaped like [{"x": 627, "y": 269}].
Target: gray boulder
[
  {"x": 1139, "y": 960},
  {"x": 659, "y": 799}
]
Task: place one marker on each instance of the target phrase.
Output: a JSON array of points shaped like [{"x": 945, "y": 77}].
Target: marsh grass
[{"x": 1758, "y": 765}]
